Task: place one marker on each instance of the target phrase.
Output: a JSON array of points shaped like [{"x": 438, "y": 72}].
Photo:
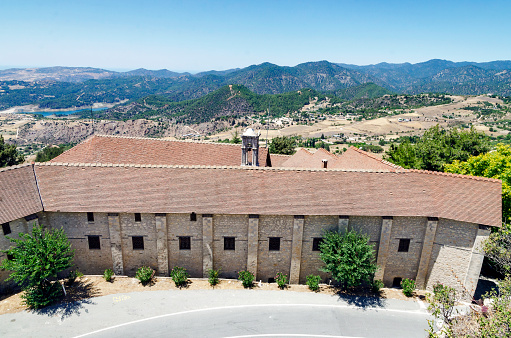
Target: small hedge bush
[
  {"x": 408, "y": 286},
  {"x": 108, "y": 275},
  {"x": 281, "y": 280},
  {"x": 313, "y": 282},
  {"x": 179, "y": 276},
  {"x": 144, "y": 274},
  {"x": 73, "y": 275},
  {"x": 246, "y": 278},
  {"x": 213, "y": 277}
]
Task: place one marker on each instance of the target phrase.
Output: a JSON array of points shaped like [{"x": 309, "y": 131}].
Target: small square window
[
  {"x": 404, "y": 245},
  {"x": 138, "y": 217},
  {"x": 271, "y": 280},
  {"x": 138, "y": 242},
  {"x": 274, "y": 244},
  {"x": 193, "y": 217},
  {"x": 94, "y": 243},
  {"x": 315, "y": 243},
  {"x": 6, "y": 228},
  {"x": 90, "y": 217},
  {"x": 229, "y": 243},
  {"x": 185, "y": 243},
  {"x": 396, "y": 283},
  {"x": 10, "y": 257}
]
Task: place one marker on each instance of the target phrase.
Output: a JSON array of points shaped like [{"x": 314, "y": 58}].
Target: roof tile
[{"x": 19, "y": 196}]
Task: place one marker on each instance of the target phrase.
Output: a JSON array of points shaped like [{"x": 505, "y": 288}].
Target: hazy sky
[{"x": 205, "y": 35}]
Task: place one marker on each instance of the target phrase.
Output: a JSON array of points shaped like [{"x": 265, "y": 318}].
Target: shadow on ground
[
  {"x": 484, "y": 285},
  {"x": 362, "y": 301},
  {"x": 78, "y": 294}
]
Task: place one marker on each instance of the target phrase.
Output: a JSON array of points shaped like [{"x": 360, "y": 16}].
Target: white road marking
[{"x": 247, "y": 306}]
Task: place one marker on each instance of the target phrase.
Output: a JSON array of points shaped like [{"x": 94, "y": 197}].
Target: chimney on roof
[
  {"x": 325, "y": 163},
  {"x": 250, "y": 142}
]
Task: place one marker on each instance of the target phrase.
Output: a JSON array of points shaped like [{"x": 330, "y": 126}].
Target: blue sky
[{"x": 205, "y": 35}]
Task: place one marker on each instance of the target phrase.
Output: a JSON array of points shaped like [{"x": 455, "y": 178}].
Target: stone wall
[
  {"x": 271, "y": 262},
  {"x": 452, "y": 252},
  {"x": 134, "y": 259},
  {"x": 440, "y": 250},
  {"x": 77, "y": 230},
  {"x": 179, "y": 225},
  {"x": 315, "y": 227},
  {"x": 230, "y": 262},
  {"x": 17, "y": 227},
  {"x": 404, "y": 264},
  {"x": 370, "y": 226}
]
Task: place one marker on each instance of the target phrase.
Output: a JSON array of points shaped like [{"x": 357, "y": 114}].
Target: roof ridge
[
  {"x": 326, "y": 152},
  {"x": 305, "y": 150},
  {"x": 164, "y": 140},
  {"x": 131, "y": 165},
  {"x": 376, "y": 158},
  {"x": 283, "y": 155},
  {"x": 16, "y": 166}
]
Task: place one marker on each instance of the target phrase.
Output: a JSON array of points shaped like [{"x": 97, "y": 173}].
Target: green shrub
[
  {"x": 213, "y": 277},
  {"x": 108, "y": 275},
  {"x": 246, "y": 278},
  {"x": 144, "y": 274},
  {"x": 408, "y": 286},
  {"x": 377, "y": 285},
  {"x": 73, "y": 275},
  {"x": 42, "y": 295},
  {"x": 348, "y": 257},
  {"x": 37, "y": 259},
  {"x": 179, "y": 276},
  {"x": 313, "y": 282},
  {"x": 281, "y": 280}
]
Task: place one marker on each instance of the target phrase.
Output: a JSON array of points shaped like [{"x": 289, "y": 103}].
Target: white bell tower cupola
[{"x": 250, "y": 144}]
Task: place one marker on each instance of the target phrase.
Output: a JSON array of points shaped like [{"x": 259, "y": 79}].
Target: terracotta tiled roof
[
  {"x": 301, "y": 159},
  {"x": 354, "y": 158},
  {"x": 278, "y": 159},
  {"x": 137, "y": 150},
  {"x": 278, "y": 191},
  {"x": 19, "y": 196}
]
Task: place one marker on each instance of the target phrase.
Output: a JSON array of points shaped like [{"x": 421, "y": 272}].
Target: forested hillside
[
  {"x": 235, "y": 100},
  {"x": 58, "y": 88}
]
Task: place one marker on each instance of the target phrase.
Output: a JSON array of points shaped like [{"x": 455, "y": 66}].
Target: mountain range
[{"x": 64, "y": 87}]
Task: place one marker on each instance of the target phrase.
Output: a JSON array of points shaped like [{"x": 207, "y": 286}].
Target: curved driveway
[{"x": 222, "y": 313}]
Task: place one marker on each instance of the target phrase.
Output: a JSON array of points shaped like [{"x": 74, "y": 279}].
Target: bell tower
[{"x": 250, "y": 143}]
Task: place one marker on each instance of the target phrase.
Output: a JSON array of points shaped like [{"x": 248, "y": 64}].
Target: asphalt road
[{"x": 222, "y": 313}]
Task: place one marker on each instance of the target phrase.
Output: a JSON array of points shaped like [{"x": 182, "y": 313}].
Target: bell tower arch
[{"x": 250, "y": 144}]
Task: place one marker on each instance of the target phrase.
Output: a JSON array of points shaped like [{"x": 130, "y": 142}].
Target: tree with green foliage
[
  {"x": 438, "y": 147},
  {"x": 372, "y": 148},
  {"x": 35, "y": 261},
  {"x": 403, "y": 154},
  {"x": 348, "y": 257},
  {"x": 497, "y": 247},
  {"x": 284, "y": 145},
  {"x": 235, "y": 137},
  {"x": 9, "y": 155},
  {"x": 495, "y": 164},
  {"x": 51, "y": 152}
]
